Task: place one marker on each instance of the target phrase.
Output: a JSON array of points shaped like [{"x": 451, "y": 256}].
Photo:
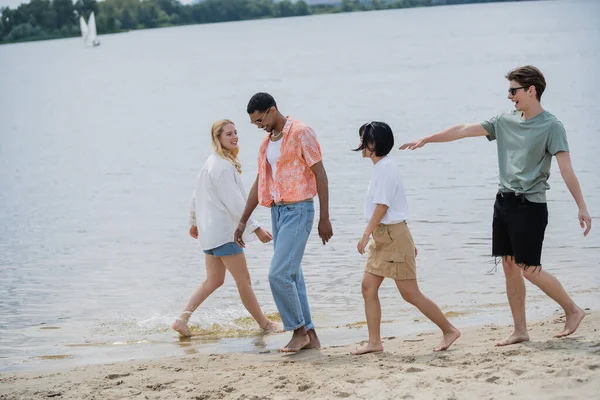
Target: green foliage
[
  {"x": 65, "y": 14},
  {"x": 24, "y": 31},
  {"x": 302, "y": 8},
  {"x": 85, "y": 7},
  {"x": 40, "y": 19}
]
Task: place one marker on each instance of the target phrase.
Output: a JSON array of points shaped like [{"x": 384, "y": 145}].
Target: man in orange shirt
[{"x": 290, "y": 175}]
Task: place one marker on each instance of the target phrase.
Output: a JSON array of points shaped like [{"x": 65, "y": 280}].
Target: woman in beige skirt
[{"x": 392, "y": 253}]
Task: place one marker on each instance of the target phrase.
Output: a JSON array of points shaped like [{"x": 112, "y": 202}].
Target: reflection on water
[{"x": 99, "y": 149}]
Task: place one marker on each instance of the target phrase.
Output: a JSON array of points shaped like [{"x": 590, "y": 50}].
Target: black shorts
[{"x": 518, "y": 229}]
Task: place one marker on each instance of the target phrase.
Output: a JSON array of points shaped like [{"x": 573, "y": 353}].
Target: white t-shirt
[
  {"x": 386, "y": 188},
  {"x": 273, "y": 154},
  {"x": 218, "y": 204}
]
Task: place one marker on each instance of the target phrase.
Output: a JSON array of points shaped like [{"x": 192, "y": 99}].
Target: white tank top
[{"x": 273, "y": 154}]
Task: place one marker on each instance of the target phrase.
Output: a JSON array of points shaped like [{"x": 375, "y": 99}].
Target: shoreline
[
  {"x": 242, "y": 339},
  {"x": 408, "y": 368}
]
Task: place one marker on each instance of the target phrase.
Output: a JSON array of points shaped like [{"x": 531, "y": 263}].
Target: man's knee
[
  {"x": 531, "y": 273},
  {"x": 509, "y": 266},
  {"x": 277, "y": 276},
  {"x": 273, "y": 276}
]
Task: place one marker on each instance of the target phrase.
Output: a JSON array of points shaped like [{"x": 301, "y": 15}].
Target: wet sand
[{"x": 473, "y": 368}]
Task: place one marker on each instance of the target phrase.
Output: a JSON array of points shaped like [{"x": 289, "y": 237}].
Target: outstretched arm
[
  {"x": 449, "y": 135},
  {"x": 566, "y": 170}
]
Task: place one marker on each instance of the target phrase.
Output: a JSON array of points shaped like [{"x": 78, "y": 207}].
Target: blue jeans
[{"x": 292, "y": 224}]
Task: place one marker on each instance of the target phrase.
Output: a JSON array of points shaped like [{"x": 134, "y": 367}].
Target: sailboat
[{"x": 88, "y": 31}]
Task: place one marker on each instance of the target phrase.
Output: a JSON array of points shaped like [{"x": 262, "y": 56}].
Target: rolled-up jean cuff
[{"x": 293, "y": 328}]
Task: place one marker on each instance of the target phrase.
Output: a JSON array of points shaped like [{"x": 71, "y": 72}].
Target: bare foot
[
  {"x": 572, "y": 323},
  {"x": 314, "y": 343},
  {"x": 299, "y": 340},
  {"x": 273, "y": 327},
  {"x": 448, "y": 339},
  {"x": 181, "y": 326},
  {"x": 368, "y": 348},
  {"x": 513, "y": 339}
]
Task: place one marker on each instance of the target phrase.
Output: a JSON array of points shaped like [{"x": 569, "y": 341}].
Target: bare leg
[
  {"x": 236, "y": 264},
  {"x": 370, "y": 292},
  {"x": 409, "y": 289},
  {"x": 552, "y": 287},
  {"x": 515, "y": 290},
  {"x": 215, "y": 276}
]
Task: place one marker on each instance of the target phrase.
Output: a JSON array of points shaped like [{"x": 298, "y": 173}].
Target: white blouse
[{"x": 218, "y": 204}]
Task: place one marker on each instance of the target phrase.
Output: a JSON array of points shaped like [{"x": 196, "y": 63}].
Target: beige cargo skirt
[{"x": 392, "y": 253}]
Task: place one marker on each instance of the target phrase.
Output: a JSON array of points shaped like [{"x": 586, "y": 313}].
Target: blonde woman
[{"x": 217, "y": 205}]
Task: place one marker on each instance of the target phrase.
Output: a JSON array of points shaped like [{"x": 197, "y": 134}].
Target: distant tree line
[{"x": 49, "y": 19}]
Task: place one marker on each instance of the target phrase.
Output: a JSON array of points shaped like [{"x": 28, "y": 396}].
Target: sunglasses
[
  {"x": 260, "y": 120},
  {"x": 513, "y": 91}
]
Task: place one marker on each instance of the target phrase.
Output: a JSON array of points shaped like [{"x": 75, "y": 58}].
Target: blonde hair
[{"x": 231, "y": 156}]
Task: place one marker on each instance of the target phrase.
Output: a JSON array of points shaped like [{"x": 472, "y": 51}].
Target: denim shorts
[{"x": 228, "y": 249}]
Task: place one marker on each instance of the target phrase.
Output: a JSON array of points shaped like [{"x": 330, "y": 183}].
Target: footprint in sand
[
  {"x": 342, "y": 394},
  {"x": 159, "y": 386},
  {"x": 115, "y": 376},
  {"x": 512, "y": 353},
  {"x": 304, "y": 387},
  {"x": 228, "y": 389}
]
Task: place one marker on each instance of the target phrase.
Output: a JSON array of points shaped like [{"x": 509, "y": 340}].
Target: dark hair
[
  {"x": 377, "y": 134},
  {"x": 261, "y": 101},
  {"x": 529, "y": 76}
]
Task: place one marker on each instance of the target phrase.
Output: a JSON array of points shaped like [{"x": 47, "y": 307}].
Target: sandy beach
[{"x": 544, "y": 368}]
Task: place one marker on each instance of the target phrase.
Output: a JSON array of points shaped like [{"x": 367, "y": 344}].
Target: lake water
[{"x": 100, "y": 148}]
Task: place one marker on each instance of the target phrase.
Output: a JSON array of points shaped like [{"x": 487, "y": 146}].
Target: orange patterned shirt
[{"x": 294, "y": 180}]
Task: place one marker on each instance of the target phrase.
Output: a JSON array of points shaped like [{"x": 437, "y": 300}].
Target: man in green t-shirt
[{"x": 526, "y": 138}]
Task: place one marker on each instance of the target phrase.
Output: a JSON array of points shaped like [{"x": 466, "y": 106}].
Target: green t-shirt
[{"x": 525, "y": 150}]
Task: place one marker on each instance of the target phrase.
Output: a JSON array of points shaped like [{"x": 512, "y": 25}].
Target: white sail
[
  {"x": 91, "y": 36},
  {"x": 84, "y": 28}
]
